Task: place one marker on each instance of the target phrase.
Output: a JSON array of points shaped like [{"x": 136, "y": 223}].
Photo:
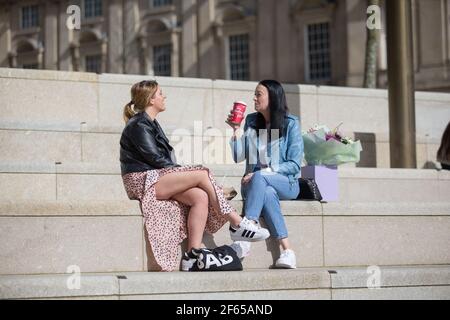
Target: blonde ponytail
[
  {"x": 128, "y": 112},
  {"x": 141, "y": 93}
]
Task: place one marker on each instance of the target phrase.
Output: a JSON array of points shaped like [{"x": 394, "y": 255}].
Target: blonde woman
[{"x": 177, "y": 202}]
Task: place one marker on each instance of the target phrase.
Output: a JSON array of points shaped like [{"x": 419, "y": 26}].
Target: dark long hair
[
  {"x": 443, "y": 154},
  {"x": 277, "y": 106}
]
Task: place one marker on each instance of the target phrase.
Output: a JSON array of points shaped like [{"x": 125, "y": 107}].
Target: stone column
[
  {"x": 205, "y": 35},
  {"x": 371, "y": 52},
  {"x": 5, "y": 36},
  {"x": 175, "y": 40},
  {"x": 253, "y": 49},
  {"x": 339, "y": 43},
  {"x": 266, "y": 39},
  {"x": 51, "y": 36},
  {"x": 402, "y": 120},
  {"x": 356, "y": 40},
  {"x": 448, "y": 32},
  {"x": 416, "y": 35},
  {"x": 432, "y": 26},
  {"x": 189, "y": 66},
  {"x": 115, "y": 37},
  {"x": 65, "y": 38},
  {"x": 40, "y": 56},
  {"x": 104, "y": 52},
  {"x": 131, "y": 57},
  {"x": 142, "y": 40},
  {"x": 75, "y": 56},
  {"x": 12, "y": 60},
  {"x": 299, "y": 64},
  {"x": 283, "y": 46},
  {"x": 219, "y": 39},
  {"x": 382, "y": 54}
]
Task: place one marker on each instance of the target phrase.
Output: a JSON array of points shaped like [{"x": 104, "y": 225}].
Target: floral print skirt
[{"x": 166, "y": 220}]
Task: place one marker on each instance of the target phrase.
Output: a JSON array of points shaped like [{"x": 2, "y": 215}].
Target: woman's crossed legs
[
  {"x": 193, "y": 188},
  {"x": 197, "y": 200}
]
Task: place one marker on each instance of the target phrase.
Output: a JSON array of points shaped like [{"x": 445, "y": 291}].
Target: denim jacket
[{"x": 286, "y": 161}]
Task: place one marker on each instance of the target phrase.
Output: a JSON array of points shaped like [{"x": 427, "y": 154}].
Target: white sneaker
[
  {"x": 286, "y": 260},
  {"x": 187, "y": 263},
  {"x": 248, "y": 231},
  {"x": 242, "y": 248}
]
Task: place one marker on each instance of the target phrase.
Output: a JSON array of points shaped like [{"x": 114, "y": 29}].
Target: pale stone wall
[
  {"x": 85, "y": 107},
  {"x": 62, "y": 201}
]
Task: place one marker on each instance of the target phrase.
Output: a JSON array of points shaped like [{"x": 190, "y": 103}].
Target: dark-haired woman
[{"x": 273, "y": 149}]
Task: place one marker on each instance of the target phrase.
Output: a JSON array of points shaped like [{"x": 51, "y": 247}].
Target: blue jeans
[{"x": 262, "y": 196}]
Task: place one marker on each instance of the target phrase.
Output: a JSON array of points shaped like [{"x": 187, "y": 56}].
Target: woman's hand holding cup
[
  {"x": 236, "y": 116},
  {"x": 235, "y": 126}
]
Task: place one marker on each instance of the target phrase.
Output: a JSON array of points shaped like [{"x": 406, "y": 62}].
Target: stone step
[
  {"x": 94, "y": 181},
  {"x": 89, "y": 143},
  {"x": 100, "y": 98},
  {"x": 94, "y": 208},
  {"x": 48, "y": 237},
  {"x": 92, "y": 104},
  {"x": 337, "y": 283}
]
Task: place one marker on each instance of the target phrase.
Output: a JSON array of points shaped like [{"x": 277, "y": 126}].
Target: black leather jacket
[{"x": 144, "y": 146}]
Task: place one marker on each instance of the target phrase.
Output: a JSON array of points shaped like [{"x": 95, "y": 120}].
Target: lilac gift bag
[{"x": 326, "y": 178}]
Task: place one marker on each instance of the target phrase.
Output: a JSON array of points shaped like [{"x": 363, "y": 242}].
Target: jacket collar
[
  {"x": 147, "y": 117},
  {"x": 156, "y": 130},
  {"x": 251, "y": 122}
]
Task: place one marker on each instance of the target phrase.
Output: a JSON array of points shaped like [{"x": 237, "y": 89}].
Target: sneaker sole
[
  {"x": 186, "y": 266},
  {"x": 239, "y": 238},
  {"x": 285, "y": 266}
]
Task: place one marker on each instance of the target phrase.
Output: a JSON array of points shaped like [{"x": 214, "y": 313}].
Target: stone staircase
[
  {"x": 57, "y": 216},
  {"x": 406, "y": 282},
  {"x": 63, "y": 208}
]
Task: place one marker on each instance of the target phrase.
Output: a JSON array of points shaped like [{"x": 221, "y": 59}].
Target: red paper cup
[{"x": 238, "y": 112}]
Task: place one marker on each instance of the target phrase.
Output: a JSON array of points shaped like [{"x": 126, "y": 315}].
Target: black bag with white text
[{"x": 222, "y": 258}]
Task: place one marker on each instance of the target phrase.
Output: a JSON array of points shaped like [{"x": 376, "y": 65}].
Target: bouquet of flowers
[{"x": 328, "y": 147}]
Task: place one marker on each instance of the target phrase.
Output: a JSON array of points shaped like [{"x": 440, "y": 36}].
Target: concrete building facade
[{"x": 294, "y": 41}]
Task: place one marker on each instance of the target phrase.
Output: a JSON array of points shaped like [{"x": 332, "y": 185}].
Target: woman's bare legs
[
  {"x": 178, "y": 182},
  {"x": 197, "y": 199}
]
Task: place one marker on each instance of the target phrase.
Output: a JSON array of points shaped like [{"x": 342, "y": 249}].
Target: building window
[
  {"x": 30, "y": 17},
  {"x": 239, "y": 57},
  {"x": 30, "y": 66},
  {"x": 319, "y": 60},
  {"x": 161, "y": 3},
  {"x": 94, "y": 63},
  {"x": 92, "y": 8},
  {"x": 162, "y": 56}
]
